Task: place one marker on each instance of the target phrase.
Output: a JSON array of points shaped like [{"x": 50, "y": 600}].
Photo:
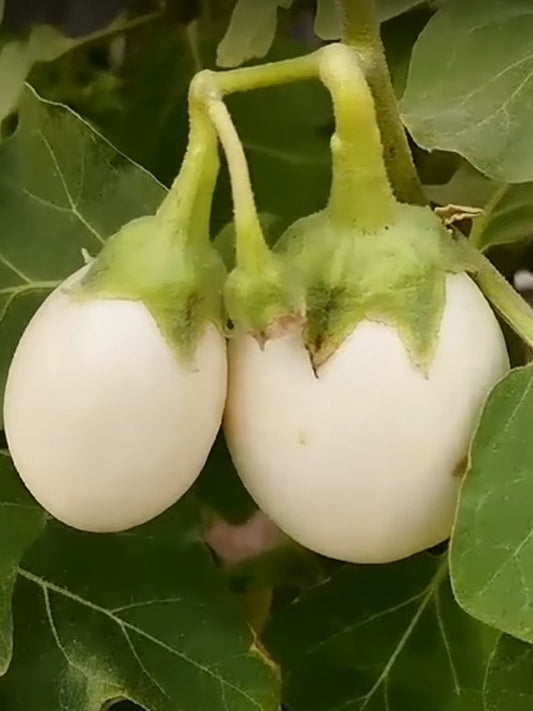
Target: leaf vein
[
  {"x": 68, "y": 195},
  {"x": 493, "y": 78},
  {"x": 510, "y": 559},
  {"x": 428, "y": 593},
  {"x": 447, "y": 646},
  {"x": 141, "y": 664},
  {"x": 367, "y": 620},
  {"x": 145, "y": 603},
  {"x": 14, "y": 269},
  {"x": 502, "y": 108},
  {"x": 46, "y": 203},
  {"x": 38, "y": 580},
  {"x": 13, "y": 292}
]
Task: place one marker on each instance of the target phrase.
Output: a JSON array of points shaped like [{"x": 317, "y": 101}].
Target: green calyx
[
  {"x": 166, "y": 260},
  {"x": 394, "y": 274},
  {"x": 366, "y": 256},
  {"x": 180, "y": 286},
  {"x": 266, "y": 302}
]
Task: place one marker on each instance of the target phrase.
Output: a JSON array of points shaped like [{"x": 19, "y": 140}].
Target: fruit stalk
[
  {"x": 361, "y": 195},
  {"x": 187, "y": 204},
  {"x": 251, "y": 248},
  {"x": 264, "y": 75},
  {"x": 361, "y": 31}
]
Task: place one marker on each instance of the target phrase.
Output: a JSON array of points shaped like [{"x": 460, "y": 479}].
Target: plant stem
[
  {"x": 200, "y": 219},
  {"x": 360, "y": 191},
  {"x": 506, "y": 300},
  {"x": 116, "y": 27},
  {"x": 188, "y": 202},
  {"x": 264, "y": 75},
  {"x": 361, "y": 31},
  {"x": 250, "y": 245}
]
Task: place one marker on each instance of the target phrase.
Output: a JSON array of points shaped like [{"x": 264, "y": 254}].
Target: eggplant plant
[{"x": 266, "y": 376}]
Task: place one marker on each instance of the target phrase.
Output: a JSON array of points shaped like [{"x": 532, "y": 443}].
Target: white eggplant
[
  {"x": 106, "y": 425},
  {"x": 363, "y": 461}
]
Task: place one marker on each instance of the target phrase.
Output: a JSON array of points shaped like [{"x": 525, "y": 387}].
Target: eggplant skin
[
  {"x": 106, "y": 425},
  {"x": 360, "y": 462}
]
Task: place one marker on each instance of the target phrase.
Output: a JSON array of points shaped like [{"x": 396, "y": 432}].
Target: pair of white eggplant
[{"x": 108, "y": 427}]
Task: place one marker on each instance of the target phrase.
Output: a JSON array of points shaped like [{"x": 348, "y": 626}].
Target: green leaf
[
  {"x": 21, "y": 522},
  {"x": 467, "y": 186},
  {"x": 388, "y": 9},
  {"x": 44, "y": 43},
  {"x": 328, "y": 20},
  {"x": 17, "y": 57},
  {"x": 63, "y": 188},
  {"x": 381, "y": 637},
  {"x": 469, "y": 86},
  {"x": 492, "y": 543},
  {"x": 148, "y": 120},
  {"x": 508, "y": 216},
  {"x": 509, "y": 680},
  {"x": 251, "y": 31},
  {"x": 141, "y": 615}
]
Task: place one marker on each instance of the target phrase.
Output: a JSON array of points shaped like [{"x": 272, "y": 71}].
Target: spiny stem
[
  {"x": 361, "y": 31},
  {"x": 507, "y": 301},
  {"x": 360, "y": 192},
  {"x": 251, "y": 248}
]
